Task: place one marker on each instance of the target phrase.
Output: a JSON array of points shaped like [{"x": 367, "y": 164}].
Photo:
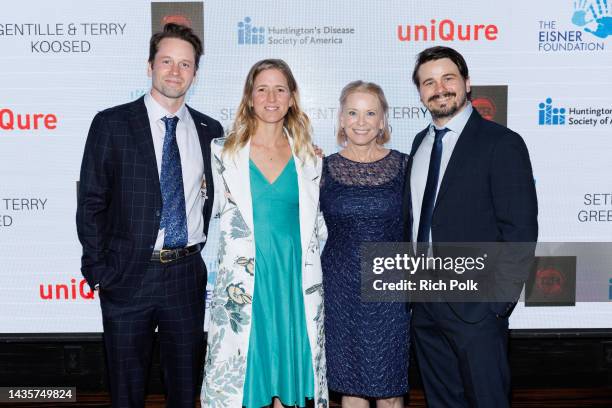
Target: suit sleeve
[
  {"x": 516, "y": 210},
  {"x": 93, "y": 201}
]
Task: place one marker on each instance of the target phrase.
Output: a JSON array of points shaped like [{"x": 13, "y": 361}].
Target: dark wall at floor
[{"x": 537, "y": 359}]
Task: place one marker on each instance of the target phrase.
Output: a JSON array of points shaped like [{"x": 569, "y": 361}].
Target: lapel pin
[{"x": 203, "y": 124}]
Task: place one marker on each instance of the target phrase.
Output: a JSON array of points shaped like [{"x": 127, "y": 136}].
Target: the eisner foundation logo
[
  {"x": 594, "y": 16},
  {"x": 250, "y": 32},
  {"x": 447, "y": 30},
  {"x": 583, "y": 28}
]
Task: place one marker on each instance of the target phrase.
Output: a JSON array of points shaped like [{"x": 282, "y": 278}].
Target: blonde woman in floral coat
[{"x": 266, "y": 340}]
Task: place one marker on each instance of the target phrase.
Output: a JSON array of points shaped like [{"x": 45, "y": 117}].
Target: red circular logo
[
  {"x": 485, "y": 107},
  {"x": 549, "y": 281},
  {"x": 177, "y": 19}
]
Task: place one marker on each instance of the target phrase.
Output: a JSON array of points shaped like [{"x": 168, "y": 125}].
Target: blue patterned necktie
[
  {"x": 173, "y": 218},
  {"x": 431, "y": 187}
]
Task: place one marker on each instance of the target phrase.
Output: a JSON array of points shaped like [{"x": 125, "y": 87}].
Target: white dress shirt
[
  {"x": 192, "y": 165},
  {"x": 420, "y": 162}
]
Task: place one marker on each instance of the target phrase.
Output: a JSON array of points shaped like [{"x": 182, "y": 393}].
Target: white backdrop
[{"x": 62, "y": 61}]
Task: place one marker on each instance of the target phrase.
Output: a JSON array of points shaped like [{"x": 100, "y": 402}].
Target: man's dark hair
[
  {"x": 172, "y": 30},
  {"x": 436, "y": 53}
]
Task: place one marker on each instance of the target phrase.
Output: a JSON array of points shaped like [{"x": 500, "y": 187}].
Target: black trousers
[
  {"x": 462, "y": 364},
  {"x": 171, "y": 300}
]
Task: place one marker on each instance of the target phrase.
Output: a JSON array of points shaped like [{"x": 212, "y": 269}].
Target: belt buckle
[{"x": 165, "y": 251}]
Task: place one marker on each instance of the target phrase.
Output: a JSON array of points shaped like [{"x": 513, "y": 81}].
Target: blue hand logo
[{"x": 594, "y": 16}]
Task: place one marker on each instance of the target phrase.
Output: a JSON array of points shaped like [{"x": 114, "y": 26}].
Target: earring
[{"x": 344, "y": 136}]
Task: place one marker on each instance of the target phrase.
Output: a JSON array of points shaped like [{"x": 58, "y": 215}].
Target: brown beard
[{"x": 450, "y": 110}]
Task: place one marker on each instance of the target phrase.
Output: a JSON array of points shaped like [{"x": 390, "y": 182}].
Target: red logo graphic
[
  {"x": 10, "y": 120},
  {"x": 447, "y": 30},
  {"x": 549, "y": 281},
  {"x": 485, "y": 107},
  {"x": 66, "y": 292},
  {"x": 177, "y": 19}
]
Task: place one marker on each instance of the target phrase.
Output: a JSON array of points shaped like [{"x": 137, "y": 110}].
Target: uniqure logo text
[
  {"x": 447, "y": 30},
  {"x": 10, "y": 120},
  {"x": 72, "y": 291}
]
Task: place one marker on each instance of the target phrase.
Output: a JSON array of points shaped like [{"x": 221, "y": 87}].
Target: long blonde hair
[{"x": 296, "y": 122}]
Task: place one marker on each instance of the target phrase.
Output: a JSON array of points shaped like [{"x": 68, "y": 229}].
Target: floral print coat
[{"x": 230, "y": 313}]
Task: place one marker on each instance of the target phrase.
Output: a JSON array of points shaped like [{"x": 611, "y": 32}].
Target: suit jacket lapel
[
  {"x": 460, "y": 155},
  {"x": 141, "y": 131},
  {"x": 238, "y": 182},
  {"x": 418, "y": 139},
  {"x": 407, "y": 201},
  {"x": 416, "y": 143},
  {"x": 203, "y": 135}
]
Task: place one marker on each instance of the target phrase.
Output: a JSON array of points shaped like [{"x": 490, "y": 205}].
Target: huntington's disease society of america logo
[
  {"x": 551, "y": 114},
  {"x": 250, "y": 32}
]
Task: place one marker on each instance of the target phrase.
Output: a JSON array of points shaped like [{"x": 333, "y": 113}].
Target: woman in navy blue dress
[{"x": 361, "y": 200}]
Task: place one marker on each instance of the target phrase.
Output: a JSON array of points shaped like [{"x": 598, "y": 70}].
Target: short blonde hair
[{"x": 370, "y": 88}]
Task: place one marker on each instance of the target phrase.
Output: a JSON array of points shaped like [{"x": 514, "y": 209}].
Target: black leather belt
[{"x": 169, "y": 255}]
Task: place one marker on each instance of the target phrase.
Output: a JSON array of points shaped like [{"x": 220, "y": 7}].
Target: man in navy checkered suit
[{"x": 144, "y": 205}]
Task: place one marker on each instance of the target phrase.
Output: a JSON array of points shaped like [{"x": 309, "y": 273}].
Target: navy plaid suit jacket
[
  {"x": 487, "y": 194},
  {"x": 119, "y": 199}
]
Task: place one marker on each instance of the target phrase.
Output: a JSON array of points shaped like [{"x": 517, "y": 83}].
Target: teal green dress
[{"x": 279, "y": 362}]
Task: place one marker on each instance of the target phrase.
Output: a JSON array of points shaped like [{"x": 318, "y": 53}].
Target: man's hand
[{"x": 318, "y": 151}]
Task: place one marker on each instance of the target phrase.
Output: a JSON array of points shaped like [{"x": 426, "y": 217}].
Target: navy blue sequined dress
[{"x": 366, "y": 343}]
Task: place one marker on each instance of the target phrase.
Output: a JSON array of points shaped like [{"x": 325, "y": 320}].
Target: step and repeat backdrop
[{"x": 541, "y": 68}]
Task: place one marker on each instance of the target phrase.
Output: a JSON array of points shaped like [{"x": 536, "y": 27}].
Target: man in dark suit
[
  {"x": 144, "y": 205},
  {"x": 470, "y": 180}
]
